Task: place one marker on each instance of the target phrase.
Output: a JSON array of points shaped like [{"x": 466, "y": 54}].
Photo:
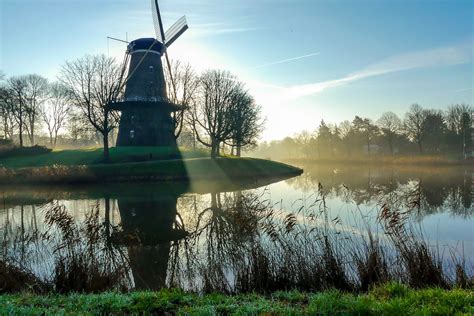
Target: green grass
[
  {"x": 74, "y": 166},
  {"x": 391, "y": 299},
  {"x": 95, "y": 156}
]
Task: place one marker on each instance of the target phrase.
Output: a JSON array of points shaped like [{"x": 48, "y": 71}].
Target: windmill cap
[{"x": 145, "y": 44}]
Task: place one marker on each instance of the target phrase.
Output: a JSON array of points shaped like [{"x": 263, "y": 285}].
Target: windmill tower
[{"x": 146, "y": 111}]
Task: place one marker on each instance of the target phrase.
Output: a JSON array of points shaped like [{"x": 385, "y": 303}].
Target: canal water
[{"x": 229, "y": 237}]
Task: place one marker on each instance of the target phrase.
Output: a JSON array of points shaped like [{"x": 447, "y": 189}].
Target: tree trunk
[
  {"x": 213, "y": 151},
  {"x": 214, "y": 148},
  {"x": 106, "y": 147},
  {"x": 238, "y": 150},
  {"x": 32, "y": 139},
  {"x": 21, "y": 133},
  {"x": 420, "y": 147},
  {"x": 5, "y": 127}
]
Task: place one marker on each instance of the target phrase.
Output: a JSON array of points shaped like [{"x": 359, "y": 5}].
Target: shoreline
[
  {"x": 192, "y": 169},
  {"x": 387, "y": 161}
]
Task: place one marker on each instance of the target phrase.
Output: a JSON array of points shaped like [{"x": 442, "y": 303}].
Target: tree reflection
[{"x": 436, "y": 190}]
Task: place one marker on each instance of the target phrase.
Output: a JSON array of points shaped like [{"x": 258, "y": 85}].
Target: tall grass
[{"x": 241, "y": 242}]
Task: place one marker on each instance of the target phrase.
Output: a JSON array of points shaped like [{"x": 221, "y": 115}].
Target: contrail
[
  {"x": 465, "y": 89},
  {"x": 286, "y": 60}
]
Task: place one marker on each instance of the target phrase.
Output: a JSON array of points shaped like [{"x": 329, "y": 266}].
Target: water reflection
[
  {"x": 149, "y": 224},
  {"x": 437, "y": 189},
  {"x": 224, "y": 237}
]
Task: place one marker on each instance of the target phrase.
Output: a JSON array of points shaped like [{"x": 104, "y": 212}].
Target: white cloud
[{"x": 439, "y": 57}]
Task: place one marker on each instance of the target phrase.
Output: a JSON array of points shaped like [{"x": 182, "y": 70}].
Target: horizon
[{"x": 339, "y": 63}]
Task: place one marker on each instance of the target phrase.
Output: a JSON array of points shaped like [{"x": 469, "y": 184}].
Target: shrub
[{"x": 13, "y": 151}]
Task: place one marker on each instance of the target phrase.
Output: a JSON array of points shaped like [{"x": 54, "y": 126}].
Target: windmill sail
[
  {"x": 175, "y": 31},
  {"x": 159, "y": 32}
]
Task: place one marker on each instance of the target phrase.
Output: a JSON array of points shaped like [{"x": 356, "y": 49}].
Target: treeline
[
  {"x": 421, "y": 131},
  {"x": 77, "y": 109}
]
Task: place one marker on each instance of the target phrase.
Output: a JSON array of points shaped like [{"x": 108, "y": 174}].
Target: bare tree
[
  {"x": 454, "y": 116},
  {"x": 7, "y": 112},
  {"x": 94, "y": 82},
  {"x": 36, "y": 94},
  {"x": 55, "y": 112},
  {"x": 17, "y": 99},
  {"x": 413, "y": 124},
  {"x": 458, "y": 120},
  {"x": 182, "y": 87},
  {"x": 210, "y": 114},
  {"x": 391, "y": 126},
  {"x": 246, "y": 122}
]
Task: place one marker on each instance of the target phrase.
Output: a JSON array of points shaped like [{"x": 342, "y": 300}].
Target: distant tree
[
  {"x": 78, "y": 127},
  {"x": 390, "y": 126},
  {"x": 182, "y": 86},
  {"x": 186, "y": 138},
  {"x": 36, "y": 93},
  {"x": 324, "y": 139},
  {"x": 247, "y": 124},
  {"x": 366, "y": 130},
  {"x": 55, "y": 112},
  {"x": 94, "y": 82},
  {"x": 289, "y": 147},
  {"x": 304, "y": 141},
  {"x": 458, "y": 118},
  {"x": 210, "y": 114},
  {"x": 413, "y": 125},
  {"x": 467, "y": 132},
  {"x": 346, "y": 135},
  {"x": 433, "y": 130}
]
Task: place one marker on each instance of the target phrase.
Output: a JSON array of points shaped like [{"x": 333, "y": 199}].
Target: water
[{"x": 221, "y": 236}]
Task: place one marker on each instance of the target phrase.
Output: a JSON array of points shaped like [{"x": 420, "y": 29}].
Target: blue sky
[{"x": 361, "y": 57}]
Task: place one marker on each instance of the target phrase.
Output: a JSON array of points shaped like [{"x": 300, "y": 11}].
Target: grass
[
  {"x": 95, "y": 156},
  {"x": 133, "y": 164},
  {"x": 389, "y": 299}
]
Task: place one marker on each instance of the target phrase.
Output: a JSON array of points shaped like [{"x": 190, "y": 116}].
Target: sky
[{"x": 303, "y": 61}]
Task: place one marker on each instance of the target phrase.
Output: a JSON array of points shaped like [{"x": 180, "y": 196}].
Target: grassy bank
[
  {"x": 390, "y": 299},
  {"x": 134, "y": 164},
  {"x": 383, "y": 160},
  {"x": 94, "y": 156}
]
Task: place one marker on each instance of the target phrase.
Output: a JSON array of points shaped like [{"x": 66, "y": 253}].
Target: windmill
[{"x": 146, "y": 110}]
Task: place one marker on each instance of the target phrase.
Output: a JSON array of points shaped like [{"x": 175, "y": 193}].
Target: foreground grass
[{"x": 390, "y": 299}]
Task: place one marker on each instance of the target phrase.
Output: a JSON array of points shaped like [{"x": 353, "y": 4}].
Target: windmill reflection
[{"x": 149, "y": 227}]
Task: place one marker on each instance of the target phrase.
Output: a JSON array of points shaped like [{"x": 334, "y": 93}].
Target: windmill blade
[
  {"x": 158, "y": 24},
  {"x": 175, "y": 31}
]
